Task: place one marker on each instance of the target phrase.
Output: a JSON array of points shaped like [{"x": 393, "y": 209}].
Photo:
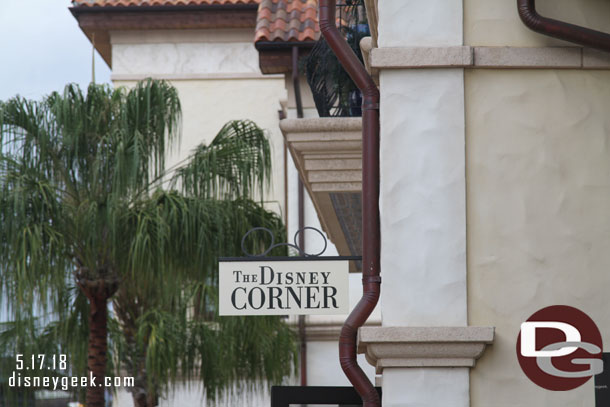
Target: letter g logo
[{"x": 559, "y": 348}]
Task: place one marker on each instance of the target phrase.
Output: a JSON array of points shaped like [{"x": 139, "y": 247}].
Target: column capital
[{"x": 421, "y": 347}]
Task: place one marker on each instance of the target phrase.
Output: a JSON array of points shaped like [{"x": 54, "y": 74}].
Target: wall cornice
[
  {"x": 192, "y": 76},
  {"x": 98, "y": 22},
  {"x": 474, "y": 57},
  {"x": 392, "y": 347}
]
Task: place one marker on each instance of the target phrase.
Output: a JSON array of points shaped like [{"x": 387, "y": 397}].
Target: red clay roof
[
  {"x": 124, "y": 3},
  {"x": 287, "y": 21},
  {"x": 277, "y": 20}
]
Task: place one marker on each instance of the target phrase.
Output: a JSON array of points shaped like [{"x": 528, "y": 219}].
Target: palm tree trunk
[
  {"x": 143, "y": 399},
  {"x": 144, "y": 395},
  {"x": 98, "y": 345},
  {"x": 128, "y": 310}
]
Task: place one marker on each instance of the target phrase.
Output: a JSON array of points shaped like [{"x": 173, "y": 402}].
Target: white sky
[{"x": 42, "y": 49}]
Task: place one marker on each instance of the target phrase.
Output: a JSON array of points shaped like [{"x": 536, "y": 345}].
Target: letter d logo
[
  {"x": 559, "y": 348},
  {"x": 528, "y": 338}
]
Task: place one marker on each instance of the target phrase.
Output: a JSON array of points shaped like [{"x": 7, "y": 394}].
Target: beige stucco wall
[
  {"x": 309, "y": 106},
  {"x": 183, "y": 52},
  {"x": 497, "y": 23},
  {"x": 210, "y": 103},
  {"x": 218, "y": 79},
  {"x": 538, "y": 215}
]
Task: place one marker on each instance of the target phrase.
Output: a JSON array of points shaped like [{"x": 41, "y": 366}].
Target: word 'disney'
[{"x": 284, "y": 288}]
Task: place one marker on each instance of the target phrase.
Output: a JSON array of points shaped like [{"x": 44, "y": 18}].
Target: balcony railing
[{"x": 334, "y": 93}]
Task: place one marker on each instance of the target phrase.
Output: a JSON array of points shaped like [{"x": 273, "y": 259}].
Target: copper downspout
[
  {"x": 560, "y": 29},
  {"x": 371, "y": 281}
]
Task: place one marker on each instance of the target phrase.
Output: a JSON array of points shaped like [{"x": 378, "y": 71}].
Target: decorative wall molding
[
  {"x": 316, "y": 142},
  {"x": 404, "y": 347},
  {"x": 421, "y": 57},
  {"x": 488, "y": 57},
  {"x": 511, "y": 57},
  {"x": 328, "y": 332},
  {"x": 100, "y": 24},
  {"x": 203, "y": 36},
  {"x": 190, "y": 76},
  {"x": 322, "y": 333}
]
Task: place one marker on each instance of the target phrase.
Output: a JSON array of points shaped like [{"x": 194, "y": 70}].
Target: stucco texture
[
  {"x": 497, "y": 23},
  {"x": 186, "y": 52},
  {"x": 190, "y": 58},
  {"x": 422, "y": 198},
  {"x": 208, "y": 104},
  {"x": 538, "y": 215},
  {"x": 417, "y": 23}
]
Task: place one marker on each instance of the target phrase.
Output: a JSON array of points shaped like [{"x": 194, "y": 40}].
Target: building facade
[
  {"x": 494, "y": 186},
  {"x": 228, "y": 59},
  {"x": 495, "y": 171}
]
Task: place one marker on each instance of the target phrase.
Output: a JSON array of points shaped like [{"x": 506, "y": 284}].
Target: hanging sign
[
  {"x": 306, "y": 285},
  {"x": 285, "y": 287}
]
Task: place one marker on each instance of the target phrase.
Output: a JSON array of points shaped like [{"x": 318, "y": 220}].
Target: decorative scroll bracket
[{"x": 303, "y": 255}]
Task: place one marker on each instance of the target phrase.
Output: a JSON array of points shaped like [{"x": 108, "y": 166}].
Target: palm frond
[
  {"x": 236, "y": 164},
  {"x": 78, "y": 173}
]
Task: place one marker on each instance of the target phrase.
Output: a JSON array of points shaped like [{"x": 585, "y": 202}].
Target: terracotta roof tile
[
  {"x": 277, "y": 20},
  {"x": 126, "y": 3},
  {"x": 287, "y": 21}
]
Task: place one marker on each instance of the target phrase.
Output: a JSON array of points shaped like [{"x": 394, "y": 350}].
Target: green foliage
[
  {"x": 234, "y": 165},
  {"x": 333, "y": 90},
  {"x": 85, "y": 197}
]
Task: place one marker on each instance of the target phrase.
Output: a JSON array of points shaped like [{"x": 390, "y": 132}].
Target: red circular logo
[{"x": 559, "y": 348}]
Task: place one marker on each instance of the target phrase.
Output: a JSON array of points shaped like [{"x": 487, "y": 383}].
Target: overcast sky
[{"x": 42, "y": 49}]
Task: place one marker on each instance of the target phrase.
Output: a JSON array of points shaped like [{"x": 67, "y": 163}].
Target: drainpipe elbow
[
  {"x": 371, "y": 96},
  {"x": 327, "y": 18},
  {"x": 562, "y": 30},
  {"x": 326, "y": 27},
  {"x": 371, "y": 398},
  {"x": 371, "y": 294},
  {"x": 528, "y": 15},
  {"x": 347, "y": 363}
]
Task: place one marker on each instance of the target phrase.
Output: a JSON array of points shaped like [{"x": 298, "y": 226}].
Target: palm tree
[{"x": 90, "y": 216}]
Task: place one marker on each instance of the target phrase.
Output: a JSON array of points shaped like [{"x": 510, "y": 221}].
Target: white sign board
[{"x": 299, "y": 287}]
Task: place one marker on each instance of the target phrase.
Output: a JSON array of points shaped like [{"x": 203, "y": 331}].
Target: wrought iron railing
[{"x": 334, "y": 93}]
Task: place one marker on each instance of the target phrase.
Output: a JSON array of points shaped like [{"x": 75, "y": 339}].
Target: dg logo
[{"x": 560, "y": 348}]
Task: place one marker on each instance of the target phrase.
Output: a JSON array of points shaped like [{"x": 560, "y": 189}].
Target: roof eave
[
  {"x": 265, "y": 45},
  {"x": 77, "y": 10},
  {"x": 276, "y": 56},
  {"x": 98, "y": 22}
]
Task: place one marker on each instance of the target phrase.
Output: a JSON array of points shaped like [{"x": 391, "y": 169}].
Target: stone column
[{"x": 423, "y": 204}]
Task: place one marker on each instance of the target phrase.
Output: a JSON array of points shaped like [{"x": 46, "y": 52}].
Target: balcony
[
  {"x": 327, "y": 151},
  {"x": 328, "y": 155},
  {"x": 334, "y": 93}
]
